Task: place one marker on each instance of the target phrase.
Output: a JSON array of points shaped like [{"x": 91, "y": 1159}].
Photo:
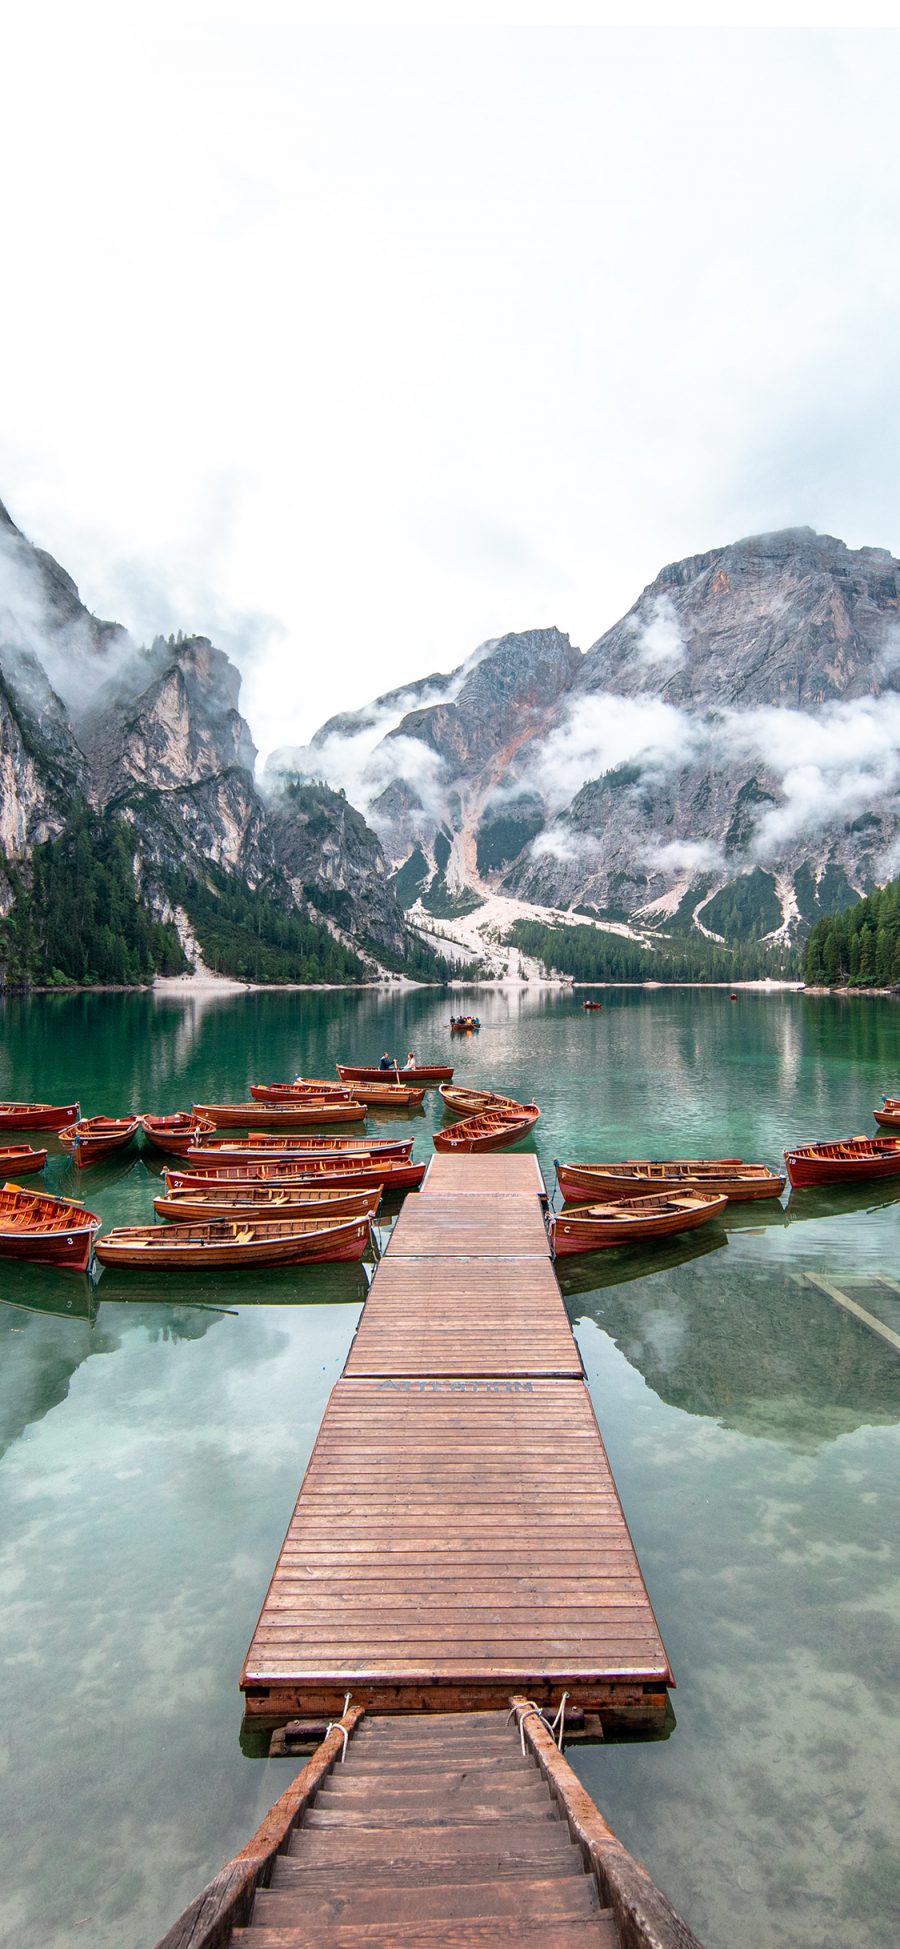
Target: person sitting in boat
[
  {"x": 388, "y": 1062},
  {"x": 410, "y": 1062}
]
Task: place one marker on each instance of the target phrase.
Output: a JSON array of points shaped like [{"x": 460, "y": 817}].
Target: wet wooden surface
[
  {"x": 454, "y": 1316},
  {"x": 486, "y": 1176},
  {"x": 459, "y": 1535}
]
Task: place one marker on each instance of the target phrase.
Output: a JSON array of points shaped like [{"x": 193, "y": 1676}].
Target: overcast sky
[{"x": 353, "y": 348}]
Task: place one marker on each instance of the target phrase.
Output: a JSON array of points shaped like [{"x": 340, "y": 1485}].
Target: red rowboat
[
  {"x": 280, "y": 1152},
  {"x": 491, "y": 1130},
  {"x": 851, "y": 1162},
  {"x": 420, "y": 1077},
  {"x": 175, "y": 1134},
  {"x": 48, "y": 1231},
  {"x": 218, "y": 1200},
  {"x": 288, "y": 1116},
  {"x": 736, "y": 1180},
  {"x": 21, "y": 1158},
  {"x": 355, "y": 1173},
  {"x": 626, "y": 1221},
  {"x": 38, "y": 1116},
  {"x": 890, "y": 1113},
  {"x": 592, "y": 1004},
  {"x": 225, "y": 1243},
  {"x": 387, "y": 1095},
  {"x": 96, "y": 1137},
  {"x": 260, "y": 1143}
]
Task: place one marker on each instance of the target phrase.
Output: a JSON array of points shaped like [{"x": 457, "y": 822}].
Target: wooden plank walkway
[
  {"x": 493, "y": 1175},
  {"x": 458, "y": 1535},
  {"x": 426, "y": 1316}
]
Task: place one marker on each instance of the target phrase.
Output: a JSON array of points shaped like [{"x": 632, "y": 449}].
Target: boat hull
[
  {"x": 889, "y": 1117},
  {"x": 479, "y": 1133},
  {"x": 425, "y": 1077},
  {"x": 175, "y": 1135},
  {"x": 392, "y": 1096},
  {"x": 46, "y": 1231},
  {"x": 266, "y": 1201},
  {"x": 291, "y": 1116},
  {"x": 88, "y": 1146},
  {"x": 165, "y": 1248},
  {"x": 333, "y": 1175},
  {"x": 260, "y": 1145},
  {"x": 810, "y": 1167},
  {"x": 578, "y": 1183},
  {"x": 38, "y": 1116},
  {"x": 578, "y": 1231},
  {"x": 472, "y": 1103},
  {"x": 21, "y": 1159}
]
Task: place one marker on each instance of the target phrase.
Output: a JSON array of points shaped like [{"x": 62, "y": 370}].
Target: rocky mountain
[
  {"x": 724, "y": 760},
  {"x": 154, "y": 738}
]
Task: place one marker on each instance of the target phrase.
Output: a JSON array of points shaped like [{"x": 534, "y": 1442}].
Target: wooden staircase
[{"x": 431, "y": 1832}]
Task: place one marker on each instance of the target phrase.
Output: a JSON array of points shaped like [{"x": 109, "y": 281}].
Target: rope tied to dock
[
  {"x": 560, "y": 1721},
  {"x": 337, "y": 1725},
  {"x": 530, "y": 1707}
]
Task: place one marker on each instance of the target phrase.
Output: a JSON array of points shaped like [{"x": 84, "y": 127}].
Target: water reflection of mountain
[
  {"x": 39, "y": 1353},
  {"x": 204, "y": 1295},
  {"x": 754, "y": 1347},
  {"x": 619, "y": 1265}
]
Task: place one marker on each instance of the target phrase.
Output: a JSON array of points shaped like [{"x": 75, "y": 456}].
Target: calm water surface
[{"x": 153, "y": 1434}]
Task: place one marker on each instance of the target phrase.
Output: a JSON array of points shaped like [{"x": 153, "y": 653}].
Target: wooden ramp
[
  {"x": 433, "y": 1833},
  {"x": 458, "y": 1535}
]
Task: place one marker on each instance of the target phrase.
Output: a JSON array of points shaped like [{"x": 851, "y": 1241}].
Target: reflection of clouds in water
[{"x": 774, "y": 1576}]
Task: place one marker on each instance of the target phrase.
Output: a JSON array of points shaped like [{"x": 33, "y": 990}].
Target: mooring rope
[{"x": 337, "y": 1725}]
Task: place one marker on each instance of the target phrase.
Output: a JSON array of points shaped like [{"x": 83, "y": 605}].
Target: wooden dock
[{"x": 458, "y": 1537}]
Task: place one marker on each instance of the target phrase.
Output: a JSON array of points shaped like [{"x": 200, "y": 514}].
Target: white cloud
[
  {"x": 660, "y": 640},
  {"x": 684, "y": 856},
  {"x": 601, "y": 731},
  {"x": 830, "y": 766}
]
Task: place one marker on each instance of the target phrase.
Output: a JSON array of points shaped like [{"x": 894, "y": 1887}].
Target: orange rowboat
[
  {"x": 854, "y": 1161},
  {"x": 492, "y": 1130},
  {"x": 300, "y": 1091},
  {"x": 628, "y": 1221},
  {"x": 286, "y": 1116},
  {"x": 218, "y": 1200},
  {"x": 260, "y": 1142},
  {"x": 730, "y": 1176},
  {"x": 354, "y": 1173},
  {"x": 47, "y": 1231},
  {"x": 175, "y": 1134},
  {"x": 97, "y": 1137},
  {"x": 420, "y": 1078},
  {"x": 38, "y": 1116},
  {"x": 470, "y": 1103},
  {"x": 889, "y": 1114},
  {"x": 21, "y": 1158},
  {"x": 225, "y": 1244}
]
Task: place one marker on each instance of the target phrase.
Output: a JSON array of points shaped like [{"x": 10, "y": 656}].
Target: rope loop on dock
[
  {"x": 523, "y": 1712},
  {"x": 560, "y": 1721},
  {"x": 337, "y": 1725}
]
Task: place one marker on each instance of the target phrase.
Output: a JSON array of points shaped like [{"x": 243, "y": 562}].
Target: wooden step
[
  {"x": 556, "y": 1899},
  {"x": 591, "y": 1932},
  {"x": 512, "y": 1840},
  {"x": 426, "y": 1792},
  {"x": 537, "y": 1812},
  {"x": 560, "y": 1863}
]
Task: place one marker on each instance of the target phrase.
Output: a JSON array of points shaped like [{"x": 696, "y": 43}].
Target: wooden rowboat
[
  {"x": 421, "y": 1078},
  {"x": 354, "y": 1173},
  {"x": 491, "y": 1130},
  {"x": 626, "y": 1221},
  {"x": 592, "y": 1004},
  {"x": 97, "y": 1137},
  {"x": 175, "y": 1134},
  {"x": 21, "y": 1158},
  {"x": 299, "y": 1092},
  {"x": 728, "y": 1175},
  {"x": 38, "y": 1116},
  {"x": 469, "y": 1103},
  {"x": 220, "y": 1244},
  {"x": 889, "y": 1114},
  {"x": 47, "y": 1231},
  {"x": 272, "y": 1150},
  {"x": 465, "y": 1025},
  {"x": 385, "y": 1095},
  {"x": 286, "y": 1116},
  {"x": 218, "y": 1200},
  {"x": 853, "y": 1161}
]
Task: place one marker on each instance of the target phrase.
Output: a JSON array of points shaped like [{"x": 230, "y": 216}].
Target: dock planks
[
  {"x": 458, "y": 1536},
  {"x": 427, "y": 1316}
]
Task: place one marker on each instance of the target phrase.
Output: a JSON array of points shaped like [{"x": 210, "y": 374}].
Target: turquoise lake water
[{"x": 154, "y": 1432}]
